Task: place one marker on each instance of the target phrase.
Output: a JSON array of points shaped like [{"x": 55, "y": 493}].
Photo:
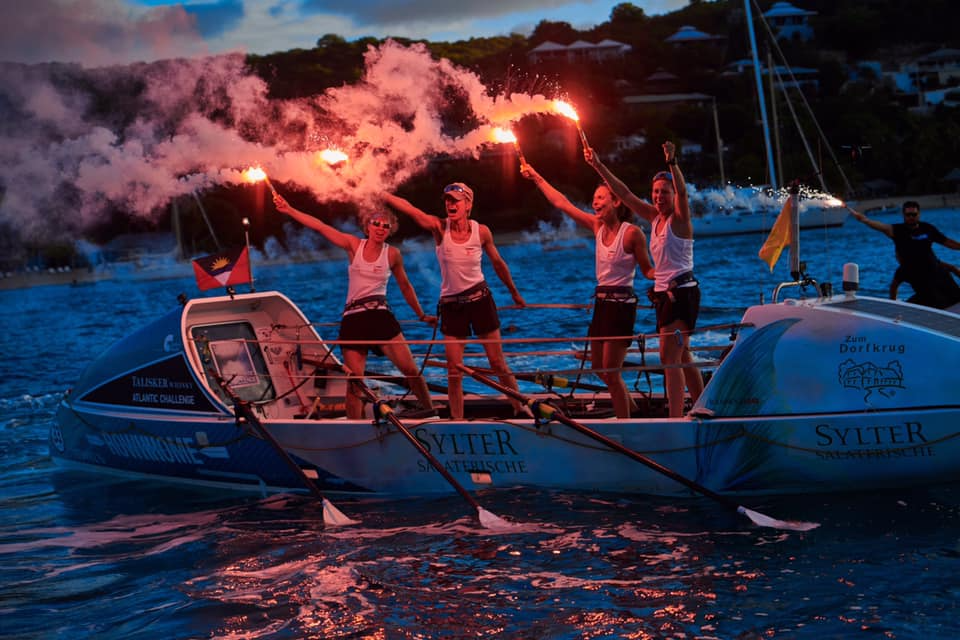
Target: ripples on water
[{"x": 91, "y": 556}]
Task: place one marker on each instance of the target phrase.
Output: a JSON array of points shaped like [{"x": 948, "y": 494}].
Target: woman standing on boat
[
  {"x": 676, "y": 292},
  {"x": 620, "y": 247},
  {"x": 366, "y": 315},
  {"x": 466, "y": 303}
]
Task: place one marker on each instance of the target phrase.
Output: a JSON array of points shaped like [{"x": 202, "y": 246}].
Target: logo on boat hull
[
  {"x": 870, "y": 377},
  {"x": 56, "y": 439}
]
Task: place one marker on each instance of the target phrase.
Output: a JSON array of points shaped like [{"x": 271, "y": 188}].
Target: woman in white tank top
[
  {"x": 620, "y": 248},
  {"x": 366, "y": 314},
  {"x": 676, "y": 293},
  {"x": 466, "y": 305}
]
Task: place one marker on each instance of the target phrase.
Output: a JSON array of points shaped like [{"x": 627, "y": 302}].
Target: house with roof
[
  {"x": 929, "y": 80},
  {"x": 579, "y": 51},
  {"x": 789, "y": 22},
  {"x": 938, "y": 68},
  {"x": 802, "y": 77},
  {"x": 687, "y": 35}
]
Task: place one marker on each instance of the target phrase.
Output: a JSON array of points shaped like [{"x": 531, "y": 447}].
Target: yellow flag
[{"x": 779, "y": 236}]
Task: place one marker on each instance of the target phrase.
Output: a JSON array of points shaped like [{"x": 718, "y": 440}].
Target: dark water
[{"x": 90, "y": 556}]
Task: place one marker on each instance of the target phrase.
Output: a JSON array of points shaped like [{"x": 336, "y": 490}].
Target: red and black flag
[{"x": 228, "y": 267}]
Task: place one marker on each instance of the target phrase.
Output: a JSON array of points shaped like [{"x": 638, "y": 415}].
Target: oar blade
[
  {"x": 492, "y": 521},
  {"x": 766, "y": 521},
  {"x": 333, "y": 517}
]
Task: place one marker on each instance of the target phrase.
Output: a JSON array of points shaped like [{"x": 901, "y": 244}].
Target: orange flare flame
[
  {"x": 566, "y": 109},
  {"x": 255, "y": 175},
  {"x": 506, "y": 136},
  {"x": 499, "y": 134},
  {"x": 332, "y": 156}
]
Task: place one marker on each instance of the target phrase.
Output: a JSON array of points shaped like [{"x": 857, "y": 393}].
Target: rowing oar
[
  {"x": 549, "y": 412},
  {"x": 487, "y": 519},
  {"x": 331, "y": 515}
]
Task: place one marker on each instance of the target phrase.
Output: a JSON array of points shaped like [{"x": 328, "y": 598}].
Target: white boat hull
[
  {"x": 815, "y": 396},
  {"x": 726, "y": 223}
]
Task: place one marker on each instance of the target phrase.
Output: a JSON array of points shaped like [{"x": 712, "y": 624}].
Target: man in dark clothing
[{"x": 913, "y": 240}]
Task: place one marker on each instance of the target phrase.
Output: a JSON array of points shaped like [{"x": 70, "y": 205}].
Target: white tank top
[
  {"x": 615, "y": 267},
  {"x": 671, "y": 254},
  {"x": 368, "y": 278},
  {"x": 459, "y": 263}
]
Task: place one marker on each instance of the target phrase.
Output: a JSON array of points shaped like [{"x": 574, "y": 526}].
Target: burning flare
[
  {"x": 332, "y": 157},
  {"x": 499, "y": 134},
  {"x": 255, "y": 175},
  {"x": 506, "y": 136},
  {"x": 566, "y": 109}
]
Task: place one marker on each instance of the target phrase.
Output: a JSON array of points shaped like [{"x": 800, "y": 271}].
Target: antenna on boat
[{"x": 246, "y": 239}]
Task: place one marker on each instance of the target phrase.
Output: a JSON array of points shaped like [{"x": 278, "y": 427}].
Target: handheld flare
[
  {"x": 502, "y": 135},
  {"x": 256, "y": 174},
  {"x": 332, "y": 157},
  {"x": 566, "y": 109}
]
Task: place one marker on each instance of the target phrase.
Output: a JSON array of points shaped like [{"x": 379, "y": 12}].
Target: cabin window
[{"x": 231, "y": 351}]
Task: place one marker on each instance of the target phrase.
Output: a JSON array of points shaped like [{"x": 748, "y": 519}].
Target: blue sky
[{"x": 100, "y": 32}]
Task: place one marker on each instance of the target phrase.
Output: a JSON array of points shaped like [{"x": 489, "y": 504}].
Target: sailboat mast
[{"x": 771, "y": 169}]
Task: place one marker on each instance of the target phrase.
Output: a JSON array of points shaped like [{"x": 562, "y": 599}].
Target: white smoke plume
[{"x": 69, "y": 161}]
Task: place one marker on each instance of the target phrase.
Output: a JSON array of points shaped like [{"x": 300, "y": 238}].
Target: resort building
[
  {"x": 579, "y": 51},
  {"x": 789, "y": 22}
]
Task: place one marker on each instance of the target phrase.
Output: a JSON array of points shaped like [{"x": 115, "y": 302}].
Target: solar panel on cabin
[{"x": 920, "y": 316}]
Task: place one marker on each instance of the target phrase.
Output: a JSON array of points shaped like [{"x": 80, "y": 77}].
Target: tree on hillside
[{"x": 560, "y": 32}]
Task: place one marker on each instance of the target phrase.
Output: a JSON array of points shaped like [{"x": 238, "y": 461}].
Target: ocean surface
[{"x": 92, "y": 556}]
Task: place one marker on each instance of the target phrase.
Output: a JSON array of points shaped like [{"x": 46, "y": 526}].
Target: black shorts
[
  {"x": 469, "y": 312},
  {"x": 377, "y": 325},
  {"x": 613, "y": 318},
  {"x": 682, "y": 303}
]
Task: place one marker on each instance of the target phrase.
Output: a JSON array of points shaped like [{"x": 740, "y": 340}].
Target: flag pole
[{"x": 246, "y": 239}]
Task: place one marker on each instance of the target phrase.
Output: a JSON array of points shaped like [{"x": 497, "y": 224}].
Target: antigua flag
[{"x": 222, "y": 269}]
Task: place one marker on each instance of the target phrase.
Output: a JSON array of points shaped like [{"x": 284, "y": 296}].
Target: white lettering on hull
[{"x": 129, "y": 445}]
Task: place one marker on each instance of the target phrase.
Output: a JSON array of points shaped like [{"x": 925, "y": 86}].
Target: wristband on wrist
[{"x": 672, "y": 162}]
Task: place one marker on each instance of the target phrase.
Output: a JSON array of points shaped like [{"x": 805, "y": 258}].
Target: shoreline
[
  {"x": 927, "y": 201},
  {"x": 869, "y": 206}
]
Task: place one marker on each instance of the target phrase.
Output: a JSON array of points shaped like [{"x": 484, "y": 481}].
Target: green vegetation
[
  {"x": 870, "y": 127},
  {"x": 868, "y": 124}
]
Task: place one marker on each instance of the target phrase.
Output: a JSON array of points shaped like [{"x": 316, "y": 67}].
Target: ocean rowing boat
[{"x": 820, "y": 394}]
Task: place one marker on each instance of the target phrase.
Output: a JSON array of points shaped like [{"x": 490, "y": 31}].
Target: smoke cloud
[{"x": 81, "y": 145}]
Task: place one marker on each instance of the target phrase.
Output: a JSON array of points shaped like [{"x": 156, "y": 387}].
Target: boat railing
[
  {"x": 803, "y": 283},
  {"x": 306, "y": 380}
]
